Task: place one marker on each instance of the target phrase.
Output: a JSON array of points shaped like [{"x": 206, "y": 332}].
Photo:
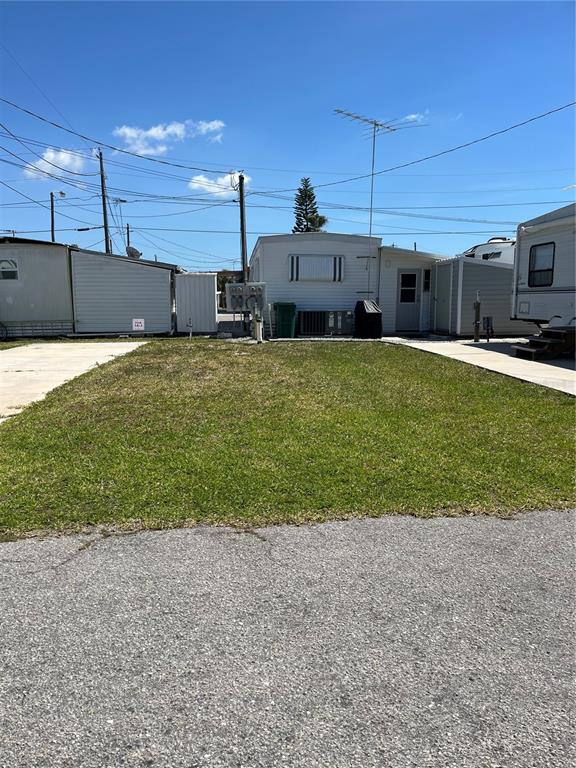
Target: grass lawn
[
  {"x": 8, "y": 344},
  {"x": 217, "y": 432}
]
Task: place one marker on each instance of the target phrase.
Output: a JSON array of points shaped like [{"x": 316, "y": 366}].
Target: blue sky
[{"x": 252, "y": 86}]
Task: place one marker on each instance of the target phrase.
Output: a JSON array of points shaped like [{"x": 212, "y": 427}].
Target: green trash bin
[{"x": 285, "y": 320}]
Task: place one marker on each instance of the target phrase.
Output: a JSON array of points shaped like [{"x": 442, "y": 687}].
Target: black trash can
[{"x": 367, "y": 320}]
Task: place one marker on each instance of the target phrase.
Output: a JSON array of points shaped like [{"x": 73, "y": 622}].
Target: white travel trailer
[
  {"x": 499, "y": 249},
  {"x": 545, "y": 269}
]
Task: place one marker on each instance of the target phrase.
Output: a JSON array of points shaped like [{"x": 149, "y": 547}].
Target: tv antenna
[{"x": 374, "y": 128}]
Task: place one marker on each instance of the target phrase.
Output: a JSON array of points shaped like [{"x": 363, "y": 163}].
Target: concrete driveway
[
  {"x": 29, "y": 372},
  {"x": 392, "y": 643},
  {"x": 498, "y": 355}
]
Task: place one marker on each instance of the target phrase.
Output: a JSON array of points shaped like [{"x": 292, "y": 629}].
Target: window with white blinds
[{"x": 316, "y": 268}]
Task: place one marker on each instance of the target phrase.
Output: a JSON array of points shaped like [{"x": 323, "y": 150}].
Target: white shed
[
  {"x": 116, "y": 294},
  {"x": 196, "y": 302},
  {"x": 455, "y": 285}
]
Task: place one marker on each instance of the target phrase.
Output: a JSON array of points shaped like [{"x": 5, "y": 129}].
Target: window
[
  {"x": 426, "y": 287},
  {"x": 8, "y": 269},
  {"x": 491, "y": 255},
  {"x": 316, "y": 268},
  {"x": 541, "y": 268},
  {"x": 408, "y": 288}
]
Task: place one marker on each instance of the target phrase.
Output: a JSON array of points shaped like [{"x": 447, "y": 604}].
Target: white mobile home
[
  {"x": 545, "y": 269},
  {"x": 35, "y": 288},
  {"x": 457, "y": 283},
  {"x": 49, "y": 289},
  {"x": 327, "y": 273}
]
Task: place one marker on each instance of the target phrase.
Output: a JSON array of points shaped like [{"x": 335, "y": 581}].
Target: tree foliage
[{"x": 306, "y": 209}]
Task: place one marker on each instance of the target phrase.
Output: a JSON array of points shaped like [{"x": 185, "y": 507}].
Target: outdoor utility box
[
  {"x": 368, "y": 320},
  {"x": 246, "y": 297},
  {"x": 285, "y": 320}
]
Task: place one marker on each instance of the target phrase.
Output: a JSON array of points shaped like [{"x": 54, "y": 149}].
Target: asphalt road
[{"x": 390, "y": 643}]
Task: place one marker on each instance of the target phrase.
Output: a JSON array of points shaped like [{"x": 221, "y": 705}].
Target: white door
[{"x": 408, "y": 300}]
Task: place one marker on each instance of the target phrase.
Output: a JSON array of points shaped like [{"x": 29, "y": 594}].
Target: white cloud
[
  {"x": 54, "y": 162},
  {"x": 156, "y": 140},
  {"x": 570, "y": 186},
  {"x": 204, "y": 127},
  {"x": 222, "y": 186},
  {"x": 149, "y": 141},
  {"x": 415, "y": 117}
]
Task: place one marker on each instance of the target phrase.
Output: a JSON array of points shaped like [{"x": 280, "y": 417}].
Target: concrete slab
[
  {"x": 29, "y": 372},
  {"x": 488, "y": 356}
]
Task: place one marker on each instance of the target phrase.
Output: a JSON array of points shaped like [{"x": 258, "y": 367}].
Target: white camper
[
  {"x": 545, "y": 269},
  {"x": 499, "y": 249}
]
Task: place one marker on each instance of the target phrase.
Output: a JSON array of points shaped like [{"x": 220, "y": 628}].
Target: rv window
[
  {"x": 8, "y": 269},
  {"x": 316, "y": 268},
  {"x": 541, "y": 270},
  {"x": 426, "y": 287}
]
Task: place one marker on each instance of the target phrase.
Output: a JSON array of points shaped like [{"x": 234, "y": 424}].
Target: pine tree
[{"x": 306, "y": 209}]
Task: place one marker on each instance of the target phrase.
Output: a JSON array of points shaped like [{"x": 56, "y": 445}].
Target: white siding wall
[
  {"x": 39, "y": 302},
  {"x": 271, "y": 264},
  {"x": 456, "y": 286},
  {"x": 393, "y": 260},
  {"x": 494, "y": 285},
  {"x": 109, "y": 292},
  {"x": 196, "y": 302}
]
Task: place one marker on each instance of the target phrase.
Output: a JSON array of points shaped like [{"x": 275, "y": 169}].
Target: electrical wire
[
  {"x": 263, "y": 233},
  {"x": 35, "y": 169},
  {"x": 105, "y": 144},
  {"x": 443, "y": 152},
  {"x": 325, "y": 184},
  {"x": 80, "y": 221}
]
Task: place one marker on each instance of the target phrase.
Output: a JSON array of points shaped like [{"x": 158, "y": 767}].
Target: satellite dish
[{"x": 133, "y": 253}]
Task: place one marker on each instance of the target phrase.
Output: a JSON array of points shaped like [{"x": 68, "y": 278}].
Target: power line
[
  {"x": 104, "y": 144},
  {"x": 151, "y": 173},
  {"x": 35, "y": 84},
  {"x": 258, "y": 233},
  {"x": 196, "y": 260},
  {"x": 444, "y": 152},
  {"x": 253, "y": 205},
  {"x": 80, "y": 221},
  {"x": 31, "y": 166}
]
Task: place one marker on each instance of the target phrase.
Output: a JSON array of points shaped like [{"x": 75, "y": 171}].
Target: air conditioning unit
[{"x": 325, "y": 323}]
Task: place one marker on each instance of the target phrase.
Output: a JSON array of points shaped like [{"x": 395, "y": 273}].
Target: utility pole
[
  {"x": 52, "y": 228},
  {"x": 244, "y": 249},
  {"x": 128, "y": 235},
  {"x": 104, "y": 203},
  {"x": 243, "y": 229}
]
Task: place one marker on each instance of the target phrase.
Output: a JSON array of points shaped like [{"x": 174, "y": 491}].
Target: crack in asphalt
[{"x": 80, "y": 550}]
